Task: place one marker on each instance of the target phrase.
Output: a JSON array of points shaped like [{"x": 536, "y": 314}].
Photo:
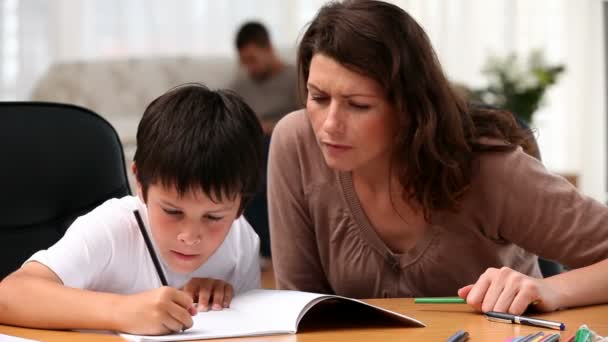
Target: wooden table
[{"x": 442, "y": 321}]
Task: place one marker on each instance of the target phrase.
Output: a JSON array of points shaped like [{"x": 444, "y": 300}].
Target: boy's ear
[{"x": 138, "y": 186}]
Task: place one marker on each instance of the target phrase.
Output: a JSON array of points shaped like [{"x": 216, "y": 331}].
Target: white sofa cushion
[{"x": 126, "y": 86}]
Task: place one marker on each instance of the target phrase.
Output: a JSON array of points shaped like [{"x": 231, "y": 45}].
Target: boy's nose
[{"x": 189, "y": 239}]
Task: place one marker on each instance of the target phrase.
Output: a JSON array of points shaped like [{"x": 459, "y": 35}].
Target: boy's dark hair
[
  {"x": 192, "y": 137},
  {"x": 252, "y": 32}
]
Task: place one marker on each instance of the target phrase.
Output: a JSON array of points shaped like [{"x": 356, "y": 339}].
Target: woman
[{"x": 389, "y": 185}]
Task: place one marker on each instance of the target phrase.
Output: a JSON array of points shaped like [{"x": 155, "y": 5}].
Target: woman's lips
[{"x": 337, "y": 146}]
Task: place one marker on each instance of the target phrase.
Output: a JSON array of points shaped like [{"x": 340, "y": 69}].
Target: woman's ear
[{"x": 138, "y": 186}]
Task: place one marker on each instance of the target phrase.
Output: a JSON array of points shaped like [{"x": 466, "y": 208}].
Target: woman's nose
[{"x": 334, "y": 122}]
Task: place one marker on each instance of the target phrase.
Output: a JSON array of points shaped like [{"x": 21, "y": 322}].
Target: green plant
[{"x": 515, "y": 88}]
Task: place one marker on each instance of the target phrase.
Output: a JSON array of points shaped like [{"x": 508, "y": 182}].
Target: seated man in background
[
  {"x": 269, "y": 87},
  {"x": 270, "y": 84}
]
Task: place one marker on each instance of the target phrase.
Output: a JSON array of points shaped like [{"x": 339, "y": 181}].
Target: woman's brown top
[{"x": 514, "y": 210}]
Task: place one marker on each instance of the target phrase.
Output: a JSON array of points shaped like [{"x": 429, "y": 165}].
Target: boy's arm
[{"x": 34, "y": 296}]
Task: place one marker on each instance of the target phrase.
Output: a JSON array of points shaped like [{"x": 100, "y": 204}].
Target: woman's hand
[
  {"x": 506, "y": 290},
  {"x": 209, "y": 293}
]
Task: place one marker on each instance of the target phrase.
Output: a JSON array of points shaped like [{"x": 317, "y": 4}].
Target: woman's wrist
[{"x": 559, "y": 292}]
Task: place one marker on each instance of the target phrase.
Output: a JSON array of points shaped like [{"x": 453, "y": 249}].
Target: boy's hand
[
  {"x": 209, "y": 293},
  {"x": 156, "y": 312},
  {"x": 506, "y": 290}
]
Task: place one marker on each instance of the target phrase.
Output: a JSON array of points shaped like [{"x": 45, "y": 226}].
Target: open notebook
[{"x": 264, "y": 312}]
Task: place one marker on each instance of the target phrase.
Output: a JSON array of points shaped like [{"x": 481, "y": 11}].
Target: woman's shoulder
[
  {"x": 503, "y": 160},
  {"x": 293, "y": 137},
  {"x": 295, "y": 153},
  {"x": 510, "y": 173},
  {"x": 295, "y": 123}
]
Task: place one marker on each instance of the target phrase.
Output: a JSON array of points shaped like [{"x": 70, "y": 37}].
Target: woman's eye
[
  {"x": 172, "y": 212},
  {"x": 360, "y": 106},
  {"x": 318, "y": 99}
]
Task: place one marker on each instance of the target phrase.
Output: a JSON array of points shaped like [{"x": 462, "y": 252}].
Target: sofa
[{"x": 120, "y": 89}]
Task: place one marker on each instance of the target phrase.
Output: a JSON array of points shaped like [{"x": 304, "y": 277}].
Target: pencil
[
  {"x": 440, "y": 300},
  {"x": 142, "y": 229}
]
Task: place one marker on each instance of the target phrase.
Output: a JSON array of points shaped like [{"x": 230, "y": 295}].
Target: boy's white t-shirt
[{"x": 105, "y": 251}]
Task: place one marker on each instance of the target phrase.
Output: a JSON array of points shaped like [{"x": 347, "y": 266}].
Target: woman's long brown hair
[{"x": 439, "y": 132}]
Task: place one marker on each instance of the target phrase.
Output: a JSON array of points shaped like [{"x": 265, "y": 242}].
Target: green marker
[
  {"x": 440, "y": 300},
  {"x": 583, "y": 334}
]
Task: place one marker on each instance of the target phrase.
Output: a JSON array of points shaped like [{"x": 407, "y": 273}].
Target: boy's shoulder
[
  {"x": 124, "y": 203},
  {"x": 241, "y": 241},
  {"x": 241, "y": 233},
  {"x": 91, "y": 253},
  {"x": 115, "y": 215},
  {"x": 119, "y": 208}
]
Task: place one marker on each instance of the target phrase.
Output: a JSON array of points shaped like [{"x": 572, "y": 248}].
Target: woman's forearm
[{"x": 582, "y": 286}]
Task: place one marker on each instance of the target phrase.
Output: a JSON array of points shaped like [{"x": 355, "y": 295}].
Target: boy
[{"x": 197, "y": 163}]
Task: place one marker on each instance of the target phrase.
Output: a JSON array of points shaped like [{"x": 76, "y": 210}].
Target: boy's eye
[
  {"x": 172, "y": 212},
  {"x": 213, "y": 217}
]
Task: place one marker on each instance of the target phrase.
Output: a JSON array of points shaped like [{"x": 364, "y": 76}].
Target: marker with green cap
[
  {"x": 583, "y": 335},
  {"x": 440, "y": 300}
]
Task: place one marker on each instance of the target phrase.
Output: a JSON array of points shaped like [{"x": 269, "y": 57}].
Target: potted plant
[{"x": 517, "y": 88}]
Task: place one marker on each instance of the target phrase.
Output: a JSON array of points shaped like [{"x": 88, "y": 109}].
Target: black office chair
[{"x": 57, "y": 162}]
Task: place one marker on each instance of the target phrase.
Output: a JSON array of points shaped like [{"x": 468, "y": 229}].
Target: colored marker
[
  {"x": 459, "y": 336},
  {"x": 583, "y": 335},
  {"x": 440, "y": 300}
]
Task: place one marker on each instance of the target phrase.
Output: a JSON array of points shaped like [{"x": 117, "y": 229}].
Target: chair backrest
[{"x": 57, "y": 162}]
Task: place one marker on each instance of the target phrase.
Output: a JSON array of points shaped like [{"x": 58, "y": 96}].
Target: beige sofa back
[
  {"x": 121, "y": 89},
  {"x": 126, "y": 86}
]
